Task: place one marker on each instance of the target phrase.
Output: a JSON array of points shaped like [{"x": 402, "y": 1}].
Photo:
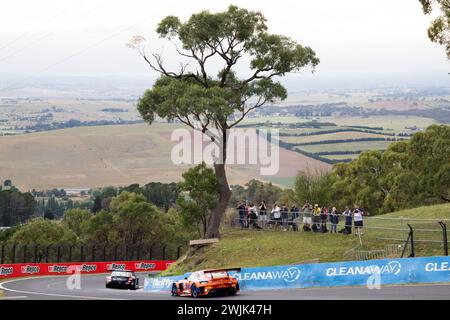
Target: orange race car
[{"x": 206, "y": 283}]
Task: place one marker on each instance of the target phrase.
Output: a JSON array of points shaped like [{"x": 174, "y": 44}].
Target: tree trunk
[{"x": 224, "y": 197}]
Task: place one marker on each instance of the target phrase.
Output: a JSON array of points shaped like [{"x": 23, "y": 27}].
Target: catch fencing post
[
  {"x": 178, "y": 252},
  {"x": 36, "y": 253},
  {"x": 47, "y": 251},
  {"x": 82, "y": 253},
  {"x": 115, "y": 253},
  {"x": 411, "y": 239},
  {"x": 138, "y": 253},
  {"x": 151, "y": 252},
  {"x": 104, "y": 253},
  {"x": 164, "y": 253},
  {"x": 24, "y": 260},
  {"x": 3, "y": 254},
  {"x": 93, "y": 253},
  {"x": 444, "y": 237},
  {"x": 58, "y": 254},
  {"x": 70, "y": 253},
  {"x": 13, "y": 254}
]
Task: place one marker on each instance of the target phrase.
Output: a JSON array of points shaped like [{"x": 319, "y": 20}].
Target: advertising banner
[
  {"x": 350, "y": 273},
  {"x": 52, "y": 269}
]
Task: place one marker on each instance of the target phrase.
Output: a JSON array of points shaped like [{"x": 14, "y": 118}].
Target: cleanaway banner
[{"x": 350, "y": 273}]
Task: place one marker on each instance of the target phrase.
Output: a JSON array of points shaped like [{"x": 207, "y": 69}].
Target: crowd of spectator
[{"x": 312, "y": 218}]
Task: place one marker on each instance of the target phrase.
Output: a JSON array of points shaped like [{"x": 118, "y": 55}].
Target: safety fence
[
  {"x": 66, "y": 252},
  {"x": 405, "y": 234},
  {"x": 372, "y": 273}
]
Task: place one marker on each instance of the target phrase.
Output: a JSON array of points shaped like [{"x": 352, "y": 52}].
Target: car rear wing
[{"x": 222, "y": 270}]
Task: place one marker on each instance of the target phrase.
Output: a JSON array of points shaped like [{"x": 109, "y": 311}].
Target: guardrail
[{"x": 53, "y": 269}]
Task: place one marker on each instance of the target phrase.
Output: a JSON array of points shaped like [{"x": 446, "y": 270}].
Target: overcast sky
[{"x": 353, "y": 38}]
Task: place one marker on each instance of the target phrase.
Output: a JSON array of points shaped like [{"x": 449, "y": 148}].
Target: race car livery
[
  {"x": 207, "y": 283},
  {"x": 122, "y": 279}
]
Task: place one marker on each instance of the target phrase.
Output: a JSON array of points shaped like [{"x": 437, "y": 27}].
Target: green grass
[
  {"x": 248, "y": 248},
  {"x": 346, "y": 146},
  {"x": 341, "y": 156}
]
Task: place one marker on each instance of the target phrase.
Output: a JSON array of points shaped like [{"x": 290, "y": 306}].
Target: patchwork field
[
  {"x": 332, "y": 136},
  {"x": 347, "y": 146},
  {"x": 114, "y": 155}
]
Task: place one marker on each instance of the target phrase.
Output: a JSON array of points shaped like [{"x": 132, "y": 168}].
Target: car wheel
[
  {"x": 174, "y": 290},
  {"x": 232, "y": 292},
  {"x": 194, "y": 291}
]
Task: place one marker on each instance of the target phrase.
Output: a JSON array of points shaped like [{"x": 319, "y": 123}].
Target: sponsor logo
[
  {"x": 393, "y": 267},
  {"x": 30, "y": 269},
  {"x": 88, "y": 268},
  {"x": 161, "y": 282},
  {"x": 116, "y": 266},
  {"x": 437, "y": 267},
  {"x": 6, "y": 271},
  {"x": 289, "y": 275},
  {"x": 144, "y": 266},
  {"x": 58, "y": 269}
]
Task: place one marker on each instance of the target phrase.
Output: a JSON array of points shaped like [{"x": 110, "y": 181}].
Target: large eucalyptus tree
[{"x": 215, "y": 100}]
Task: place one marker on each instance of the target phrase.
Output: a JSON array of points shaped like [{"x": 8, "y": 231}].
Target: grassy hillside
[{"x": 248, "y": 248}]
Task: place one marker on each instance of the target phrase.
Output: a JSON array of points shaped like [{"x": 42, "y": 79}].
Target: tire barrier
[
  {"x": 52, "y": 269},
  {"x": 371, "y": 273}
]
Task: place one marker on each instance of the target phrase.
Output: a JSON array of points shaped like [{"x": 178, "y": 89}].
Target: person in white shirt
[
  {"x": 276, "y": 215},
  {"x": 253, "y": 216},
  {"x": 358, "y": 220}
]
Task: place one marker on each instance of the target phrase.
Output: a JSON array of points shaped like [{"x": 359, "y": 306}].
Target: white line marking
[
  {"x": 50, "y": 294},
  {"x": 14, "y": 297}
]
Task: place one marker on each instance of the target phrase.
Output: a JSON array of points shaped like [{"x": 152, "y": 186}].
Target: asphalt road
[{"x": 93, "y": 288}]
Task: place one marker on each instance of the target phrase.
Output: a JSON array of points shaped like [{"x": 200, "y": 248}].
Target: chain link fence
[{"x": 56, "y": 253}]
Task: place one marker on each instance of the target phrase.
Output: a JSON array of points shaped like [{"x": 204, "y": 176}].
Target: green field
[
  {"x": 341, "y": 156},
  {"x": 346, "y": 146},
  {"x": 249, "y": 248}
]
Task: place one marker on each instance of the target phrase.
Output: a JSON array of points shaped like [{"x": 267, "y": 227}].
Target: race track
[{"x": 93, "y": 288}]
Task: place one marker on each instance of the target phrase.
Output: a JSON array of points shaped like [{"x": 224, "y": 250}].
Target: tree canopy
[
  {"x": 439, "y": 30},
  {"x": 408, "y": 174}
]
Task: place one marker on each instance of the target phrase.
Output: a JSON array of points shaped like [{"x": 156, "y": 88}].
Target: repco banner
[{"x": 50, "y": 269}]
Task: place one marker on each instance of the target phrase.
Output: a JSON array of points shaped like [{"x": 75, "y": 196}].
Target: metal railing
[
  {"x": 56, "y": 253},
  {"x": 398, "y": 230}
]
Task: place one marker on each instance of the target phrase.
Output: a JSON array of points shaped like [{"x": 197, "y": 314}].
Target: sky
[{"x": 355, "y": 40}]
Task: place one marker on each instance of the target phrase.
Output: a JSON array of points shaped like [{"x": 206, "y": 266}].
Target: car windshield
[{"x": 121, "y": 274}]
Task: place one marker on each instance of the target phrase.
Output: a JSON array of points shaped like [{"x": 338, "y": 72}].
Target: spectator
[
  {"x": 358, "y": 218},
  {"x": 253, "y": 216},
  {"x": 284, "y": 216},
  {"x": 294, "y": 217},
  {"x": 316, "y": 218},
  {"x": 242, "y": 214},
  {"x": 323, "y": 220},
  {"x": 307, "y": 221},
  {"x": 276, "y": 215},
  {"x": 263, "y": 213},
  {"x": 348, "y": 221},
  {"x": 334, "y": 219}
]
